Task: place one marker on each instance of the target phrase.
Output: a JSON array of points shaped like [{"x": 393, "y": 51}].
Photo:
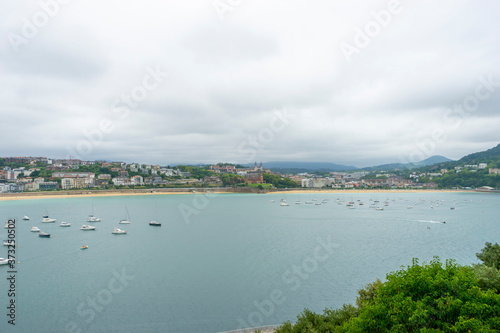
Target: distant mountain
[
  {"x": 308, "y": 166},
  {"x": 490, "y": 156},
  {"x": 434, "y": 160},
  {"x": 392, "y": 166},
  {"x": 482, "y": 157}
]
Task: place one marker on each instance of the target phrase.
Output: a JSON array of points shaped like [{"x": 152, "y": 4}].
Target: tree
[
  {"x": 432, "y": 297},
  {"x": 490, "y": 255}
]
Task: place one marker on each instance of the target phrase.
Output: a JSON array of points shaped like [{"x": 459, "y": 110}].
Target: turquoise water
[{"x": 226, "y": 261}]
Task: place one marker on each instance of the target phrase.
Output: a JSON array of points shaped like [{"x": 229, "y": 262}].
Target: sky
[{"x": 358, "y": 82}]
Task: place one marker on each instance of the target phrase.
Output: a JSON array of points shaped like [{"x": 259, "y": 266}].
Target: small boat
[
  {"x": 298, "y": 202},
  {"x": 428, "y": 227},
  {"x": 47, "y": 219},
  {"x": 271, "y": 201},
  {"x": 117, "y": 231},
  {"x": 443, "y": 222},
  {"x": 283, "y": 203},
  {"x": 4, "y": 261},
  {"x": 317, "y": 204},
  {"x": 43, "y": 234},
  {"x": 25, "y": 218},
  {"x": 35, "y": 229},
  {"x": 93, "y": 218},
  {"x": 379, "y": 208},
  {"x": 308, "y": 202},
  {"x": 65, "y": 224},
  {"x": 85, "y": 247},
  {"x": 155, "y": 223},
  {"x": 6, "y": 225},
  {"x": 9, "y": 242},
  {"x": 409, "y": 207},
  {"x": 124, "y": 221},
  {"x": 86, "y": 227},
  {"x": 452, "y": 208}
]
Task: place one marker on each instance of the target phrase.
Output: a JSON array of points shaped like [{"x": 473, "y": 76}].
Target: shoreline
[{"x": 170, "y": 191}]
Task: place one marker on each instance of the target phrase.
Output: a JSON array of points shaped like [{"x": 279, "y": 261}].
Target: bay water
[{"x": 223, "y": 261}]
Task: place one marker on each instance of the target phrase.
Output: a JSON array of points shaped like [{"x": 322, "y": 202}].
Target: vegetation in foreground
[{"x": 433, "y": 297}]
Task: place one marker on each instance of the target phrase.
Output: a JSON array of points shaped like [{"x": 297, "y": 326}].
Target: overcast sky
[{"x": 350, "y": 82}]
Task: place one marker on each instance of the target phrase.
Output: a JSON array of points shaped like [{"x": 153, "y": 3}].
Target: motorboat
[
  {"x": 379, "y": 208},
  {"x": 35, "y": 229},
  {"x": 85, "y": 247},
  {"x": 93, "y": 218},
  {"x": 86, "y": 227},
  {"x": 4, "y": 261},
  {"x": 284, "y": 203},
  {"x": 9, "y": 242},
  {"x": 47, "y": 219},
  {"x": 155, "y": 223},
  {"x": 117, "y": 231},
  {"x": 26, "y": 218},
  {"x": 65, "y": 224},
  {"x": 43, "y": 234}
]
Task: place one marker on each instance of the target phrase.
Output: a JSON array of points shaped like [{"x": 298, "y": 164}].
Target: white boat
[
  {"x": 47, "y": 219},
  {"x": 309, "y": 202},
  {"x": 87, "y": 227},
  {"x": 6, "y": 225},
  {"x": 117, "y": 231},
  {"x": 379, "y": 208},
  {"x": 271, "y": 201},
  {"x": 155, "y": 223},
  {"x": 9, "y": 242},
  {"x": 409, "y": 207},
  {"x": 35, "y": 229},
  {"x": 298, "y": 202},
  {"x": 4, "y": 261},
  {"x": 65, "y": 224},
  {"x": 283, "y": 203},
  {"x": 25, "y": 218},
  {"x": 127, "y": 220},
  {"x": 93, "y": 218}
]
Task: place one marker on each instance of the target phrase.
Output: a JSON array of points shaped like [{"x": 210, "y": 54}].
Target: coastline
[{"x": 170, "y": 191}]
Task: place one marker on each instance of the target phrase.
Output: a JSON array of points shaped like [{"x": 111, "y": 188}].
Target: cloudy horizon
[{"x": 352, "y": 82}]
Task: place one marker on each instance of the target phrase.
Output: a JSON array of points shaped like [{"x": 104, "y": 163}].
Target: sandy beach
[{"x": 130, "y": 192}]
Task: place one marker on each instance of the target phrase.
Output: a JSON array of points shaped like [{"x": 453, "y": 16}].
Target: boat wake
[{"x": 430, "y": 221}]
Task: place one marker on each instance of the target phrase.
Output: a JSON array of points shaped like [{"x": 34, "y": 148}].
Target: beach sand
[{"x": 130, "y": 192}]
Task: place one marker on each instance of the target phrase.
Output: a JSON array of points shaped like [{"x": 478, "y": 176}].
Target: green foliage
[
  {"x": 465, "y": 178},
  {"x": 432, "y": 297},
  {"x": 278, "y": 182},
  {"x": 196, "y": 172},
  {"x": 488, "y": 277},
  {"x": 367, "y": 294},
  {"x": 329, "y": 321},
  {"x": 231, "y": 179},
  {"x": 490, "y": 255}
]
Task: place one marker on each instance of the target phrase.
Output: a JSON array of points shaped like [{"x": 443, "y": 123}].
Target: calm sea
[{"x": 226, "y": 261}]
